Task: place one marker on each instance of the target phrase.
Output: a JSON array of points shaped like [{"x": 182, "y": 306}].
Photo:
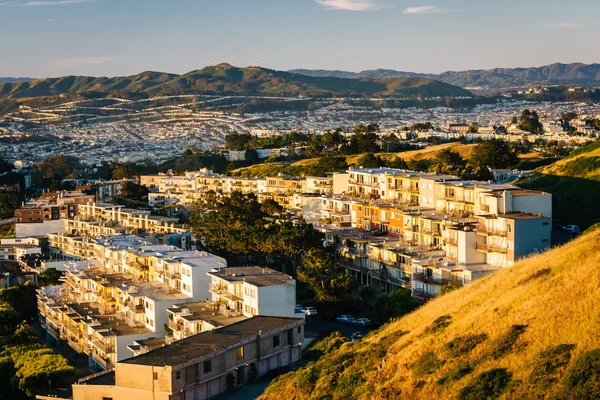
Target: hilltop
[
  {"x": 229, "y": 80},
  {"x": 528, "y": 331},
  {"x": 574, "y": 182},
  {"x": 554, "y": 74}
]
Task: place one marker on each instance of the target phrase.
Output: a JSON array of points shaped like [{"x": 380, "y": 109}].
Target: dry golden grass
[
  {"x": 559, "y": 305},
  {"x": 560, "y": 167}
]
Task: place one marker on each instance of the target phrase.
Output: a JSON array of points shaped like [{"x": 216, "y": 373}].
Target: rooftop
[
  {"x": 206, "y": 343},
  {"x": 257, "y": 276}
]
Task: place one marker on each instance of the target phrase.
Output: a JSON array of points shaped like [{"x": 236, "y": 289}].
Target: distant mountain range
[
  {"x": 497, "y": 78},
  {"x": 10, "y": 80},
  {"x": 224, "y": 79}
]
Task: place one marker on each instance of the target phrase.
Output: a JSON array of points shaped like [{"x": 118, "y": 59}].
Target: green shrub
[
  {"x": 456, "y": 373},
  {"x": 487, "y": 385},
  {"x": 504, "y": 344},
  {"x": 583, "y": 377},
  {"x": 439, "y": 324},
  {"x": 550, "y": 364},
  {"x": 464, "y": 344},
  {"x": 427, "y": 364},
  {"x": 582, "y": 165}
]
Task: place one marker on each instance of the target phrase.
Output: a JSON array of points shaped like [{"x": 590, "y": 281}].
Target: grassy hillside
[
  {"x": 574, "y": 183},
  {"x": 303, "y": 166},
  {"x": 526, "y": 332},
  {"x": 226, "y": 79}
]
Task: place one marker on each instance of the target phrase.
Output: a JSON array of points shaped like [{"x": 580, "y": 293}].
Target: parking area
[{"x": 318, "y": 326}]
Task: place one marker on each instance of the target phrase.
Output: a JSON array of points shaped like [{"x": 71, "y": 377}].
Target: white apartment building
[{"x": 252, "y": 291}]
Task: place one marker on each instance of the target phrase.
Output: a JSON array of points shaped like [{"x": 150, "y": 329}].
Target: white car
[
  {"x": 345, "y": 319},
  {"x": 309, "y": 311},
  {"x": 362, "y": 322},
  {"x": 571, "y": 229}
]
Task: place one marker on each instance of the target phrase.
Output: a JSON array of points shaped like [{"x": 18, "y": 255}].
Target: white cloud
[
  {"x": 351, "y": 5},
  {"x": 62, "y": 64},
  {"x": 424, "y": 10},
  {"x": 51, "y": 19},
  {"x": 564, "y": 25}
]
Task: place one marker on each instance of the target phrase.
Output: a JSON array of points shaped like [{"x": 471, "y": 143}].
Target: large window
[{"x": 276, "y": 340}]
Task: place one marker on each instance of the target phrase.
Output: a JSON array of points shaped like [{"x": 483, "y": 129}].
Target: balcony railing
[
  {"x": 422, "y": 294},
  {"x": 451, "y": 241},
  {"x": 491, "y": 232},
  {"x": 491, "y": 248},
  {"x": 421, "y": 277}
]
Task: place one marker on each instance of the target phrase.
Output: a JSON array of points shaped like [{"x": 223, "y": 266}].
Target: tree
[
  {"x": 9, "y": 202},
  {"x": 49, "y": 277},
  {"x": 367, "y": 142},
  {"x": 251, "y": 156},
  {"x": 397, "y": 162},
  {"x": 394, "y": 304},
  {"x": 132, "y": 191},
  {"x": 530, "y": 122},
  {"x": 119, "y": 171},
  {"x": 321, "y": 272},
  {"x": 493, "y": 154},
  {"x": 5, "y": 166},
  {"x": 450, "y": 286},
  {"x": 369, "y": 160},
  {"x": 448, "y": 162},
  {"x": 57, "y": 167}
]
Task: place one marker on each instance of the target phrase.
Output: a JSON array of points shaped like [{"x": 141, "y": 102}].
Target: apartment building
[
  {"x": 185, "y": 190},
  {"x": 52, "y": 206},
  {"x": 202, "y": 365},
  {"x": 131, "y": 295},
  {"x": 22, "y": 250},
  {"x": 471, "y": 228},
  {"x": 252, "y": 291}
]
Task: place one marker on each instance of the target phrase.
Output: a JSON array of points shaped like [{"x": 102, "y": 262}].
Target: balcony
[
  {"x": 420, "y": 294},
  {"x": 451, "y": 241},
  {"x": 105, "y": 364},
  {"x": 421, "y": 277},
  {"x": 491, "y": 248},
  {"x": 432, "y": 232},
  {"x": 484, "y": 230}
]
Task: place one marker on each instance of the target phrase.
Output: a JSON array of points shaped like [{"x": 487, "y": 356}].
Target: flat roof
[
  {"x": 257, "y": 276},
  {"x": 206, "y": 343},
  {"x": 521, "y": 216}
]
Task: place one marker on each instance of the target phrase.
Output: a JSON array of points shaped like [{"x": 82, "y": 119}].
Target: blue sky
[{"x": 120, "y": 37}]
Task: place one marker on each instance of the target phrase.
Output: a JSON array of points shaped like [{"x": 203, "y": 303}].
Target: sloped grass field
[{"x": 526, "y": 332}]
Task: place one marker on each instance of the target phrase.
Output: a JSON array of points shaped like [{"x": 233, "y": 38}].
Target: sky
[{"x": 47, "y": 38}]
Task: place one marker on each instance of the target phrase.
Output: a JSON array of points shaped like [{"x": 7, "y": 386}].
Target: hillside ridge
[
  {"x": 226, "y": 79},
  {"x": 527, "y": 331},
  {"x": 557, "y": 73}
]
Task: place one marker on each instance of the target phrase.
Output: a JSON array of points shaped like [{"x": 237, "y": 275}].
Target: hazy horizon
[{"x": 52, "y": 38}]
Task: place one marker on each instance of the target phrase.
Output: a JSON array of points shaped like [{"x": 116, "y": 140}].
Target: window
[
  {"x": 545, "y": 223},
  {"x": 107, "y": 398},
  {"x": 509, "y": 227},
  {"x": 207, "y": 367},
  {"x": 275, "y": 340},
  {"x": 178, "y": 375},
  {"x": 299, "y": 329},
  {"x": 155, "y": 375},
  {"x": 239, "y": 352}
]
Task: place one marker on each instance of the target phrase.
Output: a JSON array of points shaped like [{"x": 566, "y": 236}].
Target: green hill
[
  {"x": 574, "y": 182},
  {"x": 226, "y": 79},
  {"x": 526, "y": 332}
]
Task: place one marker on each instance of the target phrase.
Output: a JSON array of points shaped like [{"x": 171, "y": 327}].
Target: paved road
[{"x": 317, "y": 325}]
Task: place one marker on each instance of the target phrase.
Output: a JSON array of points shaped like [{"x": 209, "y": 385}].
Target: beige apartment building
[{"x": 202, "y": 365}]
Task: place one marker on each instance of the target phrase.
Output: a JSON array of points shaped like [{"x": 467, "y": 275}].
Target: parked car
[
  {"x": 310, "y": 311},
  {"x": 345, "y": 319},
  {"x": 299, "y": 308},
  {"x": 356, "y": 336},
  {"x": 571, "y": 229},
  {"x": 362, "y": 322}
]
